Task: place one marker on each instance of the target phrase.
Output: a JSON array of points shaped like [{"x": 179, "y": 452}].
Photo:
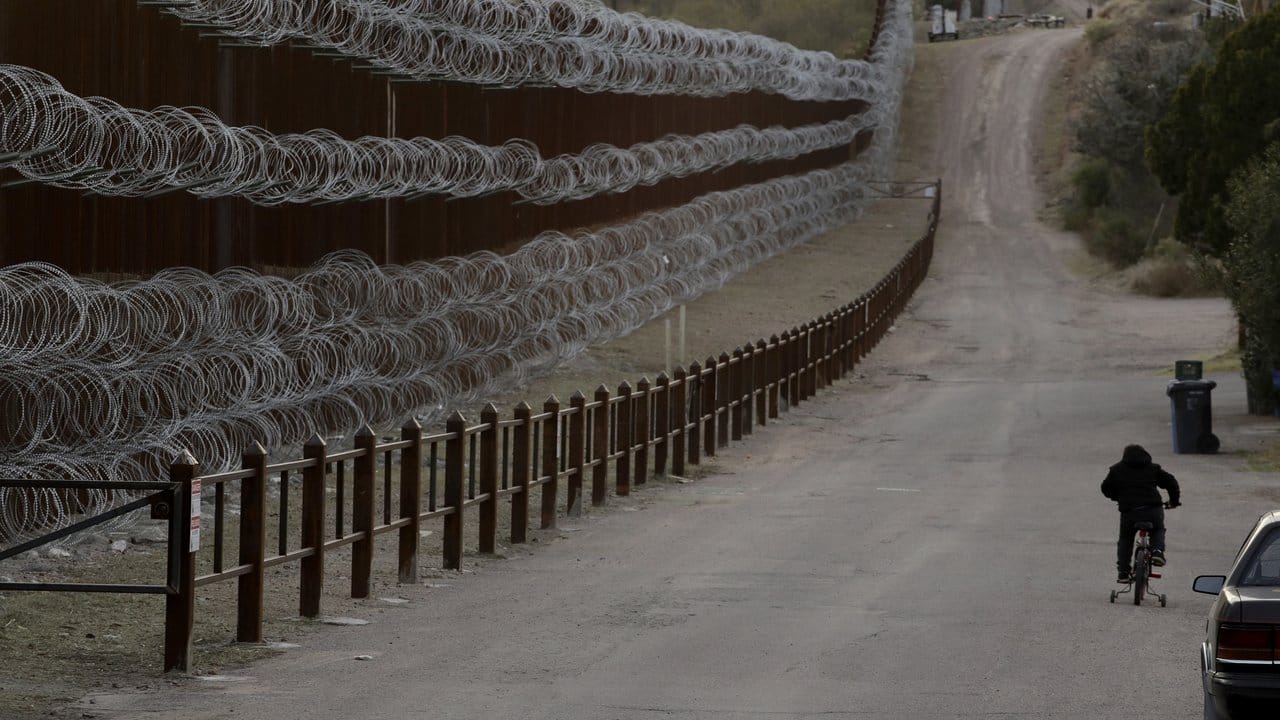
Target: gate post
[{"x": 180, "y": 606}]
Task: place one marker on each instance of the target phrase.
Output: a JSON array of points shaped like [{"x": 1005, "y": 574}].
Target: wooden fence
[{"x": 651, "y": 428}]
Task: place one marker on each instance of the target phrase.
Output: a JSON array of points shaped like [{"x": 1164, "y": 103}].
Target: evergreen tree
[{"x": 1217, "y": 124}]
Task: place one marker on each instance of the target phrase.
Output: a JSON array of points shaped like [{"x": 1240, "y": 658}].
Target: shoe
[
  {"x": 1123, "y": 577},
  {"x": 1157, "y": 559}
]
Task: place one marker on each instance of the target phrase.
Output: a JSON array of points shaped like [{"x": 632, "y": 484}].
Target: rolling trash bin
[{"x": 1192, "y": 416}]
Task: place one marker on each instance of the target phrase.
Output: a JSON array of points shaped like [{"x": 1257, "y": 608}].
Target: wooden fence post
[
  {"x": 253, "y": 544},
  {"x": 709, "y": 408},
  {"x": 662, "y": 424},
  {"x": 747, "y": 393},
  {"x": 626, "y": 440},
  {"x": 488, "y": 541},
  {"x": 180, "y": 606},
  {"x": 774, "y": 373},
  {"x": 643, "y": 430},
  {"x": 679, "y": 420},
  {"x": 736, "y": 385},
  {"x": 812, "y": 357},
  {"x": 760, "y": 386},
  {"x": 410, "y": 501},
  {"x": 521, "y": 447},
  {"x": 725, "y": 401},
  {"x": 600, "y": 448},
  {"x": 311, "y": 580},
  {"x": 362, "y": 511},
  {"x": 577, "y": 452},
  {"x": 694, "y": 404},
  {"x": 550, "y": 466},
  {"x": 455, "y": 460},
  {"x": 824, "y": 352},
  {"x": 795, "y": 363}
]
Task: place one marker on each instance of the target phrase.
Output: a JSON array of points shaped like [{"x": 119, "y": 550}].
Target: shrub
[
  {"x": 1099, "y": 31},
  {"x": 1092, "y": 182},
  {"x": 1172, "y": 271},
  {"x": 1076, "y": 217},
  {"x": 1114, "y": 239}
]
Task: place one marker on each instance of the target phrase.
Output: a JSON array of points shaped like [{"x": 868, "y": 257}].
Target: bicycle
[{"x": 1143, "y": 569}]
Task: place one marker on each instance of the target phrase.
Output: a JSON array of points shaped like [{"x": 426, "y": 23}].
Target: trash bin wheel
[{"x": 1208, "y": 444}]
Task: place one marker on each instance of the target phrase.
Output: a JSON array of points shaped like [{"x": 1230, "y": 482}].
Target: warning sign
[{"x": 195, "y": 515}]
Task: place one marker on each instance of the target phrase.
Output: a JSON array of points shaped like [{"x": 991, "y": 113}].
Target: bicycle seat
[{"x": 1143, "y": 526}]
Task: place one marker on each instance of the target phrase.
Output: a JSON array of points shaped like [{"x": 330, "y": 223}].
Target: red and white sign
[{"x": 195, "y": 515}]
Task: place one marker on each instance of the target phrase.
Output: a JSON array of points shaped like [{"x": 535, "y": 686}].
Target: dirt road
[{"x": 927, "y": 541}]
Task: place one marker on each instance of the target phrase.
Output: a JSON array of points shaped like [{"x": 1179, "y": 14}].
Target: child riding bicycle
[{"x": 1133, "y": 484}]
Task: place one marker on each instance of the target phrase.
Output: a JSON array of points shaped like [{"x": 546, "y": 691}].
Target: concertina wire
[{"x": 112, "y": 381}]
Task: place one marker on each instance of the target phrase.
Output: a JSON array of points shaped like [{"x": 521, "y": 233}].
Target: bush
[
  {"x": 1114, "y": 239},
  {"x": 1172, "y": 271},
  {"x": 1092, "y": 182},
  {"x": 1099, "y": 31},
  {"x": 1076, "y": 217}
]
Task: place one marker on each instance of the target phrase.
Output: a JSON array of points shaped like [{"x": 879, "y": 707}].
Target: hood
[{"x": 1136, "y": 456}]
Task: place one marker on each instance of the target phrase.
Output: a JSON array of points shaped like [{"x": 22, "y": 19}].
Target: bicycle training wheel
[{"x": 1140, "y": 571}]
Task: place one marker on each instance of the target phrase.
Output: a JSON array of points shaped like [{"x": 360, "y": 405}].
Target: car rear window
[{"x": 1264, "y": 566}]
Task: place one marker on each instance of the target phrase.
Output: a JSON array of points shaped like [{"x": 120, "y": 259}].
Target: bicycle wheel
[{"x": 1140, "y": 571}]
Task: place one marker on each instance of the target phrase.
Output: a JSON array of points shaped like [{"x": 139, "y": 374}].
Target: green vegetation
[
  {"x": 1250, "y": 269},
  {"x": 1118, "y": 207},
  {"x": 841, "y": 27},
  {"x": 1218, "y": 145},
  {"x": 1218, "y": 121}
]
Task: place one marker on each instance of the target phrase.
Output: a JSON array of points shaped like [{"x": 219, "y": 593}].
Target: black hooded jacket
[{"x": 1132, "y": 482}]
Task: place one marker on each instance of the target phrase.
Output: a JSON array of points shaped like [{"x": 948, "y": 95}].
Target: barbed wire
[
  {"x": 568, "y": 43},
  {"x": 112, "y": 381},
  {"x": 94, "y": 144}
]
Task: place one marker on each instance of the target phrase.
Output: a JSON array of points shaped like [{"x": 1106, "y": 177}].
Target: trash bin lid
[{"x": 1185, "y": 386}]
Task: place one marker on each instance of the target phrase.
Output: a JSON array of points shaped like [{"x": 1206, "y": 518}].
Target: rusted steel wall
[{"x": 141, "y": 57}]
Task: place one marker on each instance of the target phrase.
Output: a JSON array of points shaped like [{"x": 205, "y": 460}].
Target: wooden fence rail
[{"x": 653, "y": 429}]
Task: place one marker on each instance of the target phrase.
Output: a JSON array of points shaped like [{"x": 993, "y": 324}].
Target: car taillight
[{"x": 1249, "y": 643}]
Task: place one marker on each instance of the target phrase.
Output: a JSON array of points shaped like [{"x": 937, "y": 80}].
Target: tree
[
  {"x": 1216, "y": 124},
  {"x": 1251, "y": 269},
  {"x": 1139, "y": 71}
]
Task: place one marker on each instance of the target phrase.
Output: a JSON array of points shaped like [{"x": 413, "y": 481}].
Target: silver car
[{"x": 1240, "y": 659}]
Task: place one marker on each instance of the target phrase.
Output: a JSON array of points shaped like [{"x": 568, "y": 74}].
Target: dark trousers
[{"x": 1153, "y": 514}]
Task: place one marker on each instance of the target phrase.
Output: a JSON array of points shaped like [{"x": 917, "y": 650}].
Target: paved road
[{"x": 928, "y": 542}]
